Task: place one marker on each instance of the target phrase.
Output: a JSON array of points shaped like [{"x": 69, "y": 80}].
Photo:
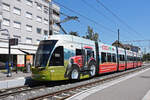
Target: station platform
[
  {"x": 17, "y": 79},
  {"x": 131, "y": 87}
]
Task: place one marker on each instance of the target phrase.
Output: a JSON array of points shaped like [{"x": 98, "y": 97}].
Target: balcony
[
  {"x": 55, "y": 7},
  {"x": 55, "y": 28},
  {"x": 55, "y": 18}
]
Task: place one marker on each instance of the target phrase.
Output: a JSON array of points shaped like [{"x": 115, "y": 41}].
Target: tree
[
  {"x": 95, "y": 37},
  {"x": 91, "y": 35},
  {"x": 146, "y": 57},
  {"x": 74, "y": 33}
]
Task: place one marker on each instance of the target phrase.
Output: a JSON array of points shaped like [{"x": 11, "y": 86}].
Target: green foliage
[
  {"x": 91, "y": 34},
  {"x": 146, "y": 57}
]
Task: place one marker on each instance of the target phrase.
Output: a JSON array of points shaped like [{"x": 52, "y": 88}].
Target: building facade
[
  {"x": 0, "y": 13},
  {"x": 29, "y": 21},
  {"x": 126, "y": 46}
]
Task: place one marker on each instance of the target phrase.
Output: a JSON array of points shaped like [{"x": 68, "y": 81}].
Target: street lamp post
[{"x": 9, "y": 53}]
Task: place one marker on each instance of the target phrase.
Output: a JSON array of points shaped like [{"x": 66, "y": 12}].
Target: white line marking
[
  {"x": 147, "y": 96},
  {"x": 83, "y": 94}
]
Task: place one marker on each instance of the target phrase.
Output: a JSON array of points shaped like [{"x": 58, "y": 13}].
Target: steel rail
[{"x": 60, "y": 92}]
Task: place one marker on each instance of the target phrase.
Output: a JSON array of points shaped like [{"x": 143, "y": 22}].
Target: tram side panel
[
  {"x": 129, "y": 58},
  {"x": 135, "y": 60},
  {"x": 84, "y": 61},
  {"x": 121, "y": 58},
  {"x": 108, "y": 61},
  {"x": 138, "y": 60}
]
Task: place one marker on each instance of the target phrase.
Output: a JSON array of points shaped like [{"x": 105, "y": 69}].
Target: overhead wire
[
  {"x": 85, "y": 17},
  {"x": 118, "y": 18},
  {"x": 99, "y": 12}
]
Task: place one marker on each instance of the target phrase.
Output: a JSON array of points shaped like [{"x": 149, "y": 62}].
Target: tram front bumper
[{"x": 39, "y": 75}]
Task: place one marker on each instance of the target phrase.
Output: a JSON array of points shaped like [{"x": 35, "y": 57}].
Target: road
[{"x": 131, "y": 87}]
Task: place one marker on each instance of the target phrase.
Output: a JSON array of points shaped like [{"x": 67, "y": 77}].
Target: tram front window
[{"x": 43, "y": 53}]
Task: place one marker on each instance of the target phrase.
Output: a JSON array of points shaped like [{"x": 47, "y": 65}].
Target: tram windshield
[{"x": 43, "y": 53}]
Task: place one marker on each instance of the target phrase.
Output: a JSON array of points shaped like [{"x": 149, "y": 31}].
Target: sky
[{"x": 135, "y": 13}]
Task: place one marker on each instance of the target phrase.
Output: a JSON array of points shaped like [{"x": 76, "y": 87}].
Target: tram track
[
  {"x": 66, "y": 93},
  {"x": 60, "y": 90},
  {"x": 13, "y": 91}
]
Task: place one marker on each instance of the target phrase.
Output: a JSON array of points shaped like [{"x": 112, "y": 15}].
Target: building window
[
  {"x": 39, "y": 19},
  {"x": 45, "y": 32},
  {"x": 45, "y": 21},
  {"x": 6, "y": 22},
  {"x": 29, "y": 2},
  {"x": 6, "y": 7},
  {"x": 5, "y": 34},
  {"x": 29, "y": 28},
  {"x": 17, "y": 24},
  {"x": 28, "y": 40},
  {"x": 29, "y": 15},
  {"x": 39, "y": 30},
  {"x": 39, "y": 6},
  {"x": 38, "y": 41},
  {"x": 18, "y": 37},
  {"x": 19, "y": 0},
  {"x": 46, "y": 10},
  {"x": 17, "y": 11}
]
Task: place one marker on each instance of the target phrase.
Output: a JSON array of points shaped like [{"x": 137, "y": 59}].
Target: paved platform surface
[
  {"x": 14, "y": 75},
  {"x": 131, "y": 87},
  {"x": 17, "y": 79}
]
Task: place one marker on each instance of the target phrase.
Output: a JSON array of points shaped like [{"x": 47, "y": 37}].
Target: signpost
[{"x": 12, "y": 42}]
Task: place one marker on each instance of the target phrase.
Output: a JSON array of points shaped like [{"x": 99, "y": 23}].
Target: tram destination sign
[{"x": 13, "y": 41}]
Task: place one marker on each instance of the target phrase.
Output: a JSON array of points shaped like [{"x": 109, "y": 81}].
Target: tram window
[
  {"x": 113, "y": 57},
  {"x": 93, "y": 53},
  {"x": 128, "y": 58},
  {"x": 78, "y": 52},
  {"x": 119, "y": 57},
  {"x": 132, "y": 58},
  {"x": 57, "y": 58},
  {"x": 109, "y": 57},
  {"x": 123, "y": 58},
  {"x": 90, "y": 53},
  {"x": 103, "y": 58}
]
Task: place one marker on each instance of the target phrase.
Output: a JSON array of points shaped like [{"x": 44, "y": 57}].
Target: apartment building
[
  {"x": 29, "y": 21},
  {"x": 0, "y": 13}
]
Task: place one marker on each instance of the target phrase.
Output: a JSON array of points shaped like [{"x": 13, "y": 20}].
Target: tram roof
[{"x": 71, "y": 38}]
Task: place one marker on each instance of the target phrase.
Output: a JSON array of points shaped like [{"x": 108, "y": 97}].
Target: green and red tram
[{"x": 64, "y": 57}]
